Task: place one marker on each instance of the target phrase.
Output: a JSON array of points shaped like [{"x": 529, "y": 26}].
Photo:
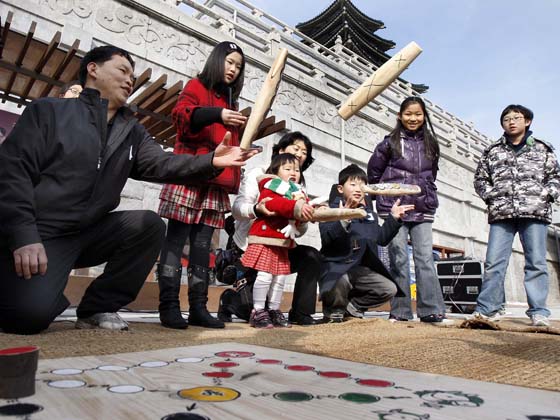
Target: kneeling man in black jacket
[
  {"x": 62, "y": 169},
  {"x": 353, "y": 277}
]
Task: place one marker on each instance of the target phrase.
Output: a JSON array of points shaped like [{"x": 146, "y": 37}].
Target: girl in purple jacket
[{"x": 410, "y": 155}]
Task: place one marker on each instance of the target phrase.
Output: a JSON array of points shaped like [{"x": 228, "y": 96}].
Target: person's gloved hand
[{"x": 290, "y": 230}]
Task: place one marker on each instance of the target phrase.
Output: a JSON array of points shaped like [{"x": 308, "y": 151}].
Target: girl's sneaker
[
  {"x": 260, "y": 319},
  {"x": 278, "y": 319}
]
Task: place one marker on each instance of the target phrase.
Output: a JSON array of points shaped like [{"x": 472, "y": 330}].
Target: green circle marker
[
  {"x": 359, "y": 398},
  {"x": 293, "y": 396}
]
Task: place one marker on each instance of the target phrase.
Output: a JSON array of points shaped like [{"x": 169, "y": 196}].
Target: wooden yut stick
[
  {"x": 391, "y": 189},
  {"x": 264, "y": 99},
  {"x": 327, "y": 214},
  {"x": 380, "y": 80}
]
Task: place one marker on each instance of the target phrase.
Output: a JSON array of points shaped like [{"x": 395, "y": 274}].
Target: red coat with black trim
[
  {"x": 196, "y": 95},
  {"x": 266, "y": 230}
]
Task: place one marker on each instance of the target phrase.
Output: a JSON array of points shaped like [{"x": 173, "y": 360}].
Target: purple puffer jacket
[{"x": 412, "y": 168}]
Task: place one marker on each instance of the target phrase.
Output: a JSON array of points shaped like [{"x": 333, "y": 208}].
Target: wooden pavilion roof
[
  {"x": 356, "y": 31},
  {"x": 32, "y": 69}
]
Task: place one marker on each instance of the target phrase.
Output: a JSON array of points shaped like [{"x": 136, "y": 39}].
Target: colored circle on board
[
  {"x": 112, "y": 368},
  {"x": 235, "y": 354},
  {"x": 269, "y": 362},
  {"x": 358, "y": 398},
  {"x": 300, "y": 368},
  {"x": 224, "y": 365},
  {"x": 19, "y": 409},
  {"x": 375, "y": 382},
  {"x": 293, "y": 396},
  {"x": 189, "y": 360},
  {"x": 18, "y": 350},
  {"x": 218, "y": 374},
  {"x": 125, "y": 389},
  {"x": 185, "y": 416},
  {"x": 67, "y": 384},
  {"x": 209, "y": 394},
  {"x": 154, "y": 364},
  {"x": 334, "y": 374},
  {"x": 67, "y": 371}
]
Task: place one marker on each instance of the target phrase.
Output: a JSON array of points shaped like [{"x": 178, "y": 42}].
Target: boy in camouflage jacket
[{"x": 518, "y": 178}]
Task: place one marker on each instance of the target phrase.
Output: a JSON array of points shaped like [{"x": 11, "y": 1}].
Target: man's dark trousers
[{"x": 128, "y": 241}]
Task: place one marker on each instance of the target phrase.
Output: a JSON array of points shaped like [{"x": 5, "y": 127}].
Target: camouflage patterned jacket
[{"x": 521, "y": 184}]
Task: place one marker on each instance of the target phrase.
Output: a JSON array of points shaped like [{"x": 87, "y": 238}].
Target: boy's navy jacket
[{"x": 344, "y": 249}]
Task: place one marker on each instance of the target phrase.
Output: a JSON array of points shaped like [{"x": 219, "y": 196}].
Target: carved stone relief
[
  {"x": 141, "y": 30},
  {"x": 81, "y": 8},
  {"x": 362, "y": 133},
  {"x": 297, "y": 101},
  {"x": 327, "y": 113},
  {"x": 254, "y": 79}
]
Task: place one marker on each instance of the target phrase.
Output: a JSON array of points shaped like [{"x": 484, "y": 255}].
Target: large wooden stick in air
[
  {"x": 327, "y": 214},
  {"x": 380, "y": 80},
  {"x": 391, "y": 189},
  {"x": 264, "y": 99}
]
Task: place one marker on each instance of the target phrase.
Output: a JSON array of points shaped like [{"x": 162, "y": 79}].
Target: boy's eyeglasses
[{"x": 514, "y": 119}]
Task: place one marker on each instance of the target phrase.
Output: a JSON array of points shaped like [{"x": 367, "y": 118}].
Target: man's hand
[
  {"x": 30, "y": 259},
  {"x": 307, "y": 212},
  {"x": 398, "y": 211},
  {"x": 226, "y": 155},
  {"x": 262, "y": 210},
  {"x": 234, "y": 118}
]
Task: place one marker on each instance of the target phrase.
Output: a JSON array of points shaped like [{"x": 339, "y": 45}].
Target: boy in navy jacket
[{"x": 353, "y": 278}]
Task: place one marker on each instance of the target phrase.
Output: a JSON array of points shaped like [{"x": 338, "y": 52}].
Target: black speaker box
[{"x": 460, "y": 280}]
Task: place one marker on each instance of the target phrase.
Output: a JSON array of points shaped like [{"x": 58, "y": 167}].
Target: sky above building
[{"x": 479, "y": 55}]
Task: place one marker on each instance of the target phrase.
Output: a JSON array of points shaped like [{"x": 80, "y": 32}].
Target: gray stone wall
[{"x": 161, "y": 36}]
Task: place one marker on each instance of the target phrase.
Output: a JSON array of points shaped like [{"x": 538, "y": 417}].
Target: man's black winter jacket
[{"x": 59, "y": 173}]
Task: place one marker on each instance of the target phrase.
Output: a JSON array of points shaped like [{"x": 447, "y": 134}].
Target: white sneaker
[
  {"x": 493, "y": 318},
  {"x": 540, "y": 320},
  {"x": 103, "y": 320}
]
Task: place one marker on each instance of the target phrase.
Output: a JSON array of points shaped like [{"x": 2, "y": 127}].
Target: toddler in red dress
[{"x": 269, "y": 241}]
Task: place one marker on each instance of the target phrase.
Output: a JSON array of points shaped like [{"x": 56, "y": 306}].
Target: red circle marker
[
  {"x": 218, "y": 374},
  {"x": 224, "y": 364},
  {"x": 18, "y": 350},
  {"x": 235, "y": 354},
  {"x": 333, "y": 374},
  {"x": 375, "y": 382},
  {"x": 269, "y": 361},
  {"x": 300, "y": 368}
]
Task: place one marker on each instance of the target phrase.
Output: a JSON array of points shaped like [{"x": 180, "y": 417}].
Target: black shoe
[
  {"x": 433, "y": 318},
  {"x": 171, "y": 318},
  {"x": 169, "y": 281},
  {"x": 304, "y": 320},
  {"x": 199, "y": 316}
]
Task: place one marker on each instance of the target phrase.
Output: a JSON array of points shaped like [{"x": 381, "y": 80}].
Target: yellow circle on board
[{"x": 209, "y": 393}]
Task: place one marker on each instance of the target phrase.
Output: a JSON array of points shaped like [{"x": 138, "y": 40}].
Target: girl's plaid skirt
[
  {"x": 271, "y": 259},
  {"x": 205, "y": 204}
]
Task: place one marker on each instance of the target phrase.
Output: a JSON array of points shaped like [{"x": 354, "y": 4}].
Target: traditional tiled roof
[{"x": 343, "y": 22}]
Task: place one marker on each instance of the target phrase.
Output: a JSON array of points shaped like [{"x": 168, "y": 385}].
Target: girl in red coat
[
  {"x": 205, "y": 111},
  {"x": 268, "y": 245}
]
